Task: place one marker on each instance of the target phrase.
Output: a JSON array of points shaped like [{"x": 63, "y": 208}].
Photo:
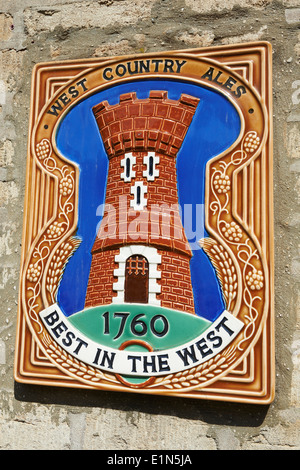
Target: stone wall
[{"x": 33, "y": 31}]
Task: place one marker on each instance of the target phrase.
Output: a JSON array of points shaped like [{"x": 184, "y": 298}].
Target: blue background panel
[{"x": 215, "y": 127}]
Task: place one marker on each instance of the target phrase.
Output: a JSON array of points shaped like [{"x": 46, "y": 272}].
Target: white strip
[{"x": 210, "y": 343}]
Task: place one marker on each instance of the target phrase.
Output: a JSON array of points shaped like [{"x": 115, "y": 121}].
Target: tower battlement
[{"x": 155, "y": 124}]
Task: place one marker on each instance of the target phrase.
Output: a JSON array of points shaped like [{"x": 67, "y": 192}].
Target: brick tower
[{"x": 141, "y": 254}]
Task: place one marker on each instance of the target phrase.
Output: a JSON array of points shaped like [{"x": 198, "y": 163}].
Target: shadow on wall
[{"x": 206, "y": 411}]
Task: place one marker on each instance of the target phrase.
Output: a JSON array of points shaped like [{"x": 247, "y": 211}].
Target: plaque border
[{"x": 253, "y": 379}]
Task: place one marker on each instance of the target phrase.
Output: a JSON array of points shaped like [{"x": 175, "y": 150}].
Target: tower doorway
[{"x": 136, "y": 279}]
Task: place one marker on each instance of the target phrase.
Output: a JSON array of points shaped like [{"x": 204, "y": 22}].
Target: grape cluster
[
  {"x": 232, "y": 232},
  {"x": 65, "y": 186},
  {"x": 251, "y": 142},
  {"x": 43, "y": 149},
  {"x": 255, "y": 279},
  {"x": 33, "y": 273},
  {"x": 55, "y": 230},
  {"x": 222, "y": 183}
]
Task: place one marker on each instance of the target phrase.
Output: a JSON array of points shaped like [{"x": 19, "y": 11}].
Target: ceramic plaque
[{"x": 147, "y": 254}]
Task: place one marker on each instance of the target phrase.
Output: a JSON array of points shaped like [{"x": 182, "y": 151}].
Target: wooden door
[{"x": 136, "y": 279}]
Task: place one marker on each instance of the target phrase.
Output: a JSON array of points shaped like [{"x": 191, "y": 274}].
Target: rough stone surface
[{"x": 32, "y": 31}]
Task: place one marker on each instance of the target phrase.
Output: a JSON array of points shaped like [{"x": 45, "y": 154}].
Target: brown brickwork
[
  {"x": 99, "y": 291},
  {"x": 175, "y": 282},
  {"x": 157, "y": 225},
  {"x": 159, "y": 125}
]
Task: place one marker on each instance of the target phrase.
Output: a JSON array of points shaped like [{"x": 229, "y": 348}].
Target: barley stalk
[
  {"x": 58, "y": 263},
  {"x": 197, "y": 375},
  {"x": 74, "y": 366},
  {"x": 224, "y": 267}
]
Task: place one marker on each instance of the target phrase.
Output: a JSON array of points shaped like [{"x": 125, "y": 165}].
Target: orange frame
[{"x": 245, "y": 371}]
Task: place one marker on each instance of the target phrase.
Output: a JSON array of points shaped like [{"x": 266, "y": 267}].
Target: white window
[
  {"x": 152, "y": 172},
  {"x": 127, "y": 163},
  {"x": 139, "y": 201}
]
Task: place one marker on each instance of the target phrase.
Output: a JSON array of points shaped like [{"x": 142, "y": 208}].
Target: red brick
[
  {"x": 153, "y": 135},
  {"x": 140, "y": 123},
  {"x": 105, "y": 132},
  {"x": 148, "y": 109},
  {"x": 162, "y": 110},
  {"x": 127, "y": 96},
  {"x": 134, "y": 109},
  {"x": 187, "y": 119},
  {"x": 176, "y": 113},
  {"x": 154, "y": 123},
  {"x": 179, "y": 130},
  {"x": 168, "y": 126},
  {"x": 189, "y": 100},
  {"x": 121, "y": 112},
  {"x": 158, "y": 94},
  {"x": 108, "y": 117}
]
